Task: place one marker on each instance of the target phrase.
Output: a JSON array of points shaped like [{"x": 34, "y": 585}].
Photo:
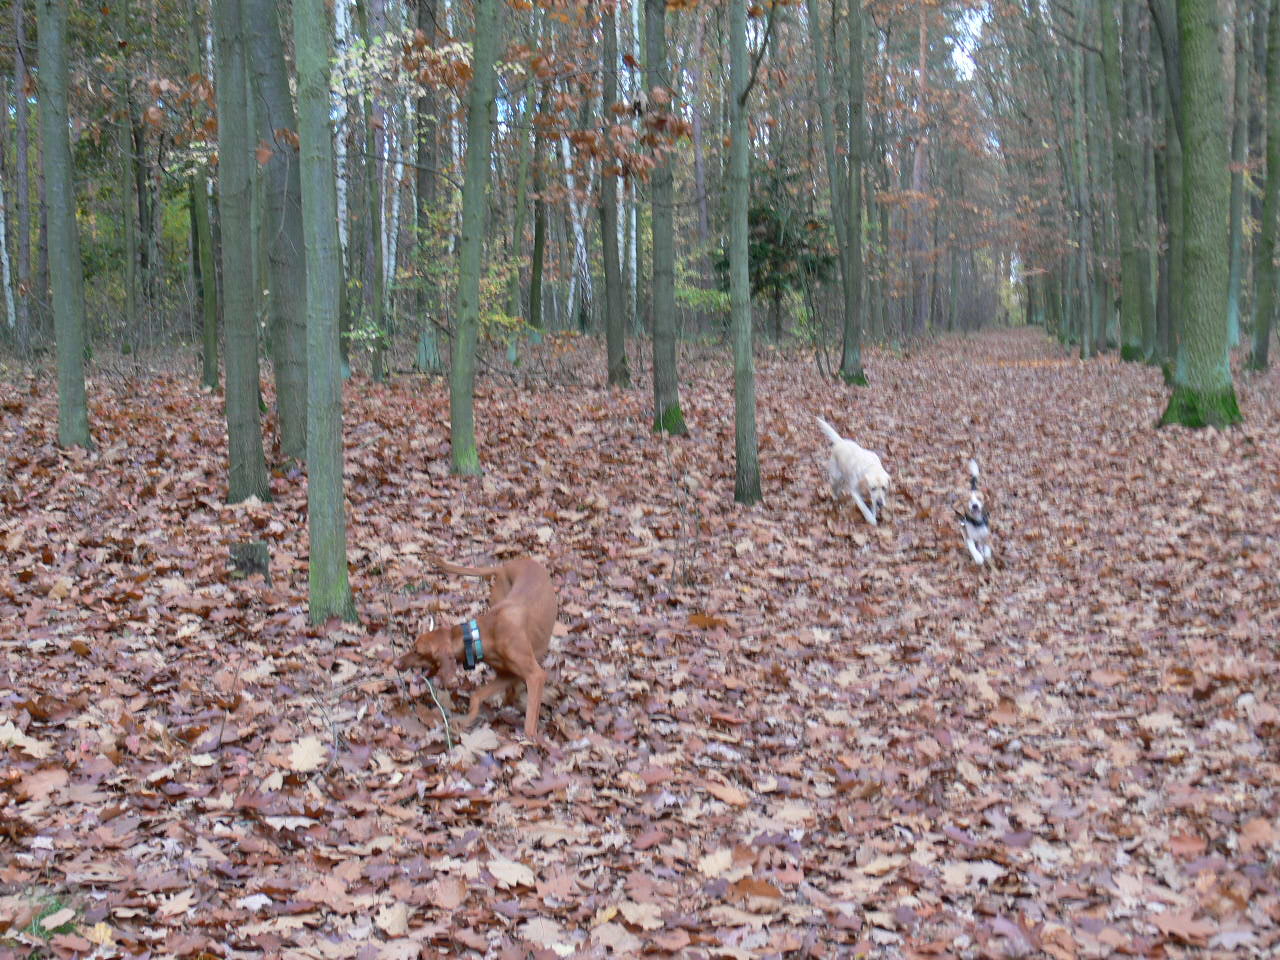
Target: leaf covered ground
[{"x": 773, "y": 731}]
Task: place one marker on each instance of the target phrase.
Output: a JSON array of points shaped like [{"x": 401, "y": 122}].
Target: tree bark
[
  {"x": 22, "y": 183},
  {"x": 286, "y": 264},
  {"x": 425, "y": 129},
  {"x": 248, "y": 469},
  {"x": 328, "y": 585},
  {"x": 462, "y": 434},
  {"x": 667, "y": 415},
  {"x": 1202, "y": 391},
  {"x": 851, "y": 353},
  {"x": 1264, "y": 266},
  {"x": 619, "y": 373},
  {"x": 64, "y": 239},
  {"x": 1125, "y": 184},
  {"x": 209, "y": 300},
  {"x": 1239, "y": 150},
  {"x": 746, "y": 485}
]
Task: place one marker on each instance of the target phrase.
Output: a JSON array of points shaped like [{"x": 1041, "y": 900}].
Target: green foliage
[
  {"x": 788, "y": 242},
  {"x": 671, "y": 421}
]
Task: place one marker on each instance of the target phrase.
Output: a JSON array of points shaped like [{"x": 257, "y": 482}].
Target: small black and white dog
[{"x": 977, "y": 530}]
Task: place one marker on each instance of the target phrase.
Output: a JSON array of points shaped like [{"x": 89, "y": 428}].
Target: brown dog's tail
[{"x": 448, "y": 567}]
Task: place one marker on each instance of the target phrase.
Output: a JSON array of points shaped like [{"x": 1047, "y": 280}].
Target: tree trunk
[
  {"x": 64, "y": 239},
  {"x": 204, "y": 232},
  {"x": 375, "y": 294},
  {"x": 329, "y": 589},
  {"x": 1125, "y": 184},
  {"x": 22, "y": 183},
  {"x": 1239, "y": 150},
  {"x": 538, "y": 256},
  {"x": 746, "y": 485},
  {"x": 124, "y": 137},
  {"x": 1264, "y": 265},
  {"x": 1202, "y": 391},
  {"x": 667, "y": 415},
  {"x": 286, "y": 266},
  {"x": 851, "y": 354},
  {"x": 619, "y": 373},
  {"x": 6, "y": 264},
  {"x": 248, "y": 469},
  {"x": 425, "y": 128},
  {"x": 462, "y": 375}
]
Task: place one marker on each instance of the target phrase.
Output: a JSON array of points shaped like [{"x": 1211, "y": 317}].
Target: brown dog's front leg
[{"x": 484, "y": 693}]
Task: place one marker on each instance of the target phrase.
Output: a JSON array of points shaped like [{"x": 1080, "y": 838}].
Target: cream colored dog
[{"x": 857, "y": 471}]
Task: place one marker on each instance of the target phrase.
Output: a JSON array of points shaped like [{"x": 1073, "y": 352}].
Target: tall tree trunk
[
  {"x": 826, "y": 110},
  {"x": 1239, "y": 151},
  {"x": 286, "y": 264},
  {"x": 1264, "y": 265},
  {"x": 1140, "y": 143},
  {"x": 538, "y": 256},
  {"x": 619, "y": 373},
  {"x": 64, "y": 238},
  {"x": 851, "y": 354},
  {"x": 6, "y": 263},
  {"x": 248, "y": 469},
  {"x": 524, "y": 136},
  {"x": 462, "y": 375},
  {"x": 329, "y": 589},
  {"x": 1126, "y": 186},
  {"x": 373, "y": 262},
  {"x": 22, "y": 183},
  {"x": 204, "y": 230},
  {"x": 667, "y": 415},
  {"x": 1202, "y": 391},
  {"x": 746, "y": 485},
  {"x": 426, "y": 129},
  {"x": 125, "y": 139}
]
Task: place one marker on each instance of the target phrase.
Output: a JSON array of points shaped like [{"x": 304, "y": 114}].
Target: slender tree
[
  {"x": 746, "y": 485},
  {"x": 286, "y": 266},
  {"x": 667, "y": 415},
  {"x": 21, "y": 179},
  {"x": 425, "y": 130},
  {"x": 330, "y": 590},
  {"x": 1202, "y": 391},
  {"x": 64, "y": 238},
  {"x": 1125, "y": 185},
  {"x": 1264, "y": 265},
  {"x": 619, "y": 373},
  {"x": 209, "y": 301},
  {"x": 851, "y": 354},
  {"x": 248, "y": 469},
  {"x": 462, "y": 375},
  {"x": 1239, "y": 149}
]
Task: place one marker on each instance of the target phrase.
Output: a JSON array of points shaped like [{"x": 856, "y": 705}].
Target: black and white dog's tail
[{"x": 973, "y": 474}]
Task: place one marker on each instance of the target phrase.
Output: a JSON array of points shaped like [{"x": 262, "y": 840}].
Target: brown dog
[{"x": 511, "y": 636}]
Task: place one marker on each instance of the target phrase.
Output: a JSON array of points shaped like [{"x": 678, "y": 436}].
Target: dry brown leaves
[{"x": 775, "y": 731}]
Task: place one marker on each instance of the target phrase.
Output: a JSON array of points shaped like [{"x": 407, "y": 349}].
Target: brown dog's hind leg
[{"x": 534, "y": 682}]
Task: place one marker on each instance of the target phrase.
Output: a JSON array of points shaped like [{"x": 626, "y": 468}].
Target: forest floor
[{"x": 774, "y": 731}]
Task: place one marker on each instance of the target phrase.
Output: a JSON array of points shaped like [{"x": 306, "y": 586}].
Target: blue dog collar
[{"x": 472, "y": 648}]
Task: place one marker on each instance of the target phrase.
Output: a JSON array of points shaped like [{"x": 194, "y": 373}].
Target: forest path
[{"x": 772, "y": 726}]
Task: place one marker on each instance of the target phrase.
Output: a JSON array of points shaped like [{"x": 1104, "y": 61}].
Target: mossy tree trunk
[
  {"x": 1202, "y": 391},
  {"x": 667, "y": 414},
  {"x": 462, "y": 374},
  {"x": 329, "y": 587},
  {"x": 1239, "y": 150},
  {"x": 66, "y": 277},
  {"x": 248, "y": 468}
]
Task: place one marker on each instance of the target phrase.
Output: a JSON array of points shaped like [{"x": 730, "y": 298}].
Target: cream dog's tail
[
  {"x": 830, "y": 431},
  {"x": 973, "y": 474}
]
